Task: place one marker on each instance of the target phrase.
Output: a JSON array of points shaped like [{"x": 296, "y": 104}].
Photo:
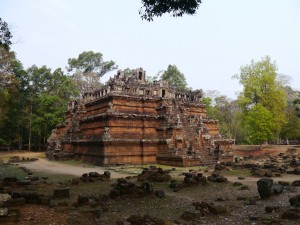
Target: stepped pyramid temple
[{"x": 130, "y": 121}]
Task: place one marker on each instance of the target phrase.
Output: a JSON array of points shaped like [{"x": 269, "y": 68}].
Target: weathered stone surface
[
  {"x": 3, "y": 211},
  {"x": 15, "y": 202},
  {"x": 277, "y": 188},
  {"x": 131, "y": 121},
  {"x": 191, "y": 215},
  {"x": 8, "y": 181},
  {"x": 270, "y": 209},
  {"x": 291, "y": 214},
  {"x": 124, "y": 188},
  {"x": 295, "y": 201},
  {"x": 296, "y": 183},
  {"x": 284, "y": 183},
  {"x": 217, "y": 178},
  {"x": 160, "y": 193},
  {"x": 82, "y": 200},
  {"x": 206, "y": 208},
  {"x": 4, "y": 198},
  {"x": 154, "y": 174},
  {"x": 144, "y": 220},
  {"x": 264, "y": 187},
  {"x": 61, "y": 192}
]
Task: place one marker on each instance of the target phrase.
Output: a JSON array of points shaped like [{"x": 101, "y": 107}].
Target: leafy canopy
[
  {"x": 5, "y": 35},
  {"x": 259, "y": 125},
  {"x": 91, "y": 62},
  {"x": 87, "y": 70},
  {"x": 156, "y": 8},
  {"x": 174, "y": 77},
  {"x": 261, "y": 86}
]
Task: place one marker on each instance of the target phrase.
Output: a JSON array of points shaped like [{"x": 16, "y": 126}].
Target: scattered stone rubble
[
  {"x": 154, "y": 174},
  {"x": 91, "y": 177},
  {"x": 124, "y": 188},
  {"x": 203, "y": 209},
  {"x": 17, "y": 159},
  {"x": 145, "y": 220}
]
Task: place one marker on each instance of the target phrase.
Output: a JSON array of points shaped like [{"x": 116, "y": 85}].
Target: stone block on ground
[
  {"x": 61, "y": 192},
  {"x": 264, "y": 187}
]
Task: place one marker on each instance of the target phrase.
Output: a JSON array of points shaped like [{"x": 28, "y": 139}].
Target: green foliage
[
  {"x": 262, "y": 86},
  {"x": 156, "y": 8},
  {"x": 296, "y": 104},
  {"x": 88, "y": 68},
  {"x": 9, "y": 85},
  {"x": 291, "y": 129},
  {"x": 90, "y": 62},
  {"x": 47, "y": 95},
  {"x": 228, "y": 113},
  {"x": 174, "y": 77},
  {"x": 259, "y": 124},
  {"x": 156, "y": 77},
  {"x": 5, "y": 35}
]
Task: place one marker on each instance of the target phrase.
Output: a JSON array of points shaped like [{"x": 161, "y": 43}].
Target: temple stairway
[{"x": 191, "y": 134}]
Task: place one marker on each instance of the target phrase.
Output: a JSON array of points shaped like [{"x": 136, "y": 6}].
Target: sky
[{"x": 208, "y": 48}]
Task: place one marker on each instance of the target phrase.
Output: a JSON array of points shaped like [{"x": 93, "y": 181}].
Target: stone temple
[{"x": 130, "y": 121}]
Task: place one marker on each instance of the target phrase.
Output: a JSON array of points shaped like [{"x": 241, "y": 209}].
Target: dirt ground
[
  {"x": 170, "y": 208},
  {"x": 60, "y": 168}
]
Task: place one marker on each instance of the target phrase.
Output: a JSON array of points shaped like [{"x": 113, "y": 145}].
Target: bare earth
[
  {"x": 169, "y": 208},
  {"x": 45, "y": 165}
]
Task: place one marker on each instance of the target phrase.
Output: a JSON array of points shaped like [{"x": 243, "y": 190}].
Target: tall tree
[
  {"x": 47, "y": 96},
  {"x": 88, "y": 68},
  {"x": 174, "y": 77},
  {"x": 262, "y": 86},
  {"x": 291, "y": 129},
  {"x": 5, "y": 35},
  {"x": 259, "y": 125},
  {"x": 156, "y": 8},
  {"x": 9, "y": 96},
  {"x": 228, "y": 114}
]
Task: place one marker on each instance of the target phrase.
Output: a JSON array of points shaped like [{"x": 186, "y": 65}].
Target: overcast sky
[{"x": 209, "y": 48}]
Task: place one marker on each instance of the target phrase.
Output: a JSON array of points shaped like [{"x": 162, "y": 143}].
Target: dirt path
[{"x": 61, "y": 168}]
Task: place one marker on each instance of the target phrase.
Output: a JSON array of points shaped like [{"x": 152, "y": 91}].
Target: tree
[
  {"x": 296, "y": 103},
  {"x": 259, "y": 125},
  {"x": 227, "y": 112},
  {"x": 156, "y": 8},
  {"x": 88, "y": 68},
  {"x": 48, "y": 94},
  {"x": 291, "y": 129},
  {"x": 9, "y": 96},
  {"x": 174, "y": 77},
  {"x": 262, "y": 86},
  {"x": 5, "y": 35},
  {"x": 8, "y": 83}
]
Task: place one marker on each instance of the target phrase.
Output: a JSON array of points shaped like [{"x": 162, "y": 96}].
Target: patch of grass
[
  {"x": 74, "y": 162},
  {"x": 238, "y": 173},
  {"x": 4, "y": 156},
  {"x": 62, "y": 178},
  {"x": 11, "y": 171},
  {"x": 137, "y": 169}
]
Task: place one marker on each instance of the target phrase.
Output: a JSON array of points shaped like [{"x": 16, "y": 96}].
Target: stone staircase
[{"x": 191, "y": 135}]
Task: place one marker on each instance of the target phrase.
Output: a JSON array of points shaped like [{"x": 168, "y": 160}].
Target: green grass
[
  {"x": 238, "y": 173},
  {"x": 74, "y": 162},
  {"x": 4, "y": 156},
  {"x": 11, "y": 171},
  {"x": 137, "y": 169}
]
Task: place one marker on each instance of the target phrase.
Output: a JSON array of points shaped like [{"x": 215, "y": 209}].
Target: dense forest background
[{"x": 34, "y": 100}]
